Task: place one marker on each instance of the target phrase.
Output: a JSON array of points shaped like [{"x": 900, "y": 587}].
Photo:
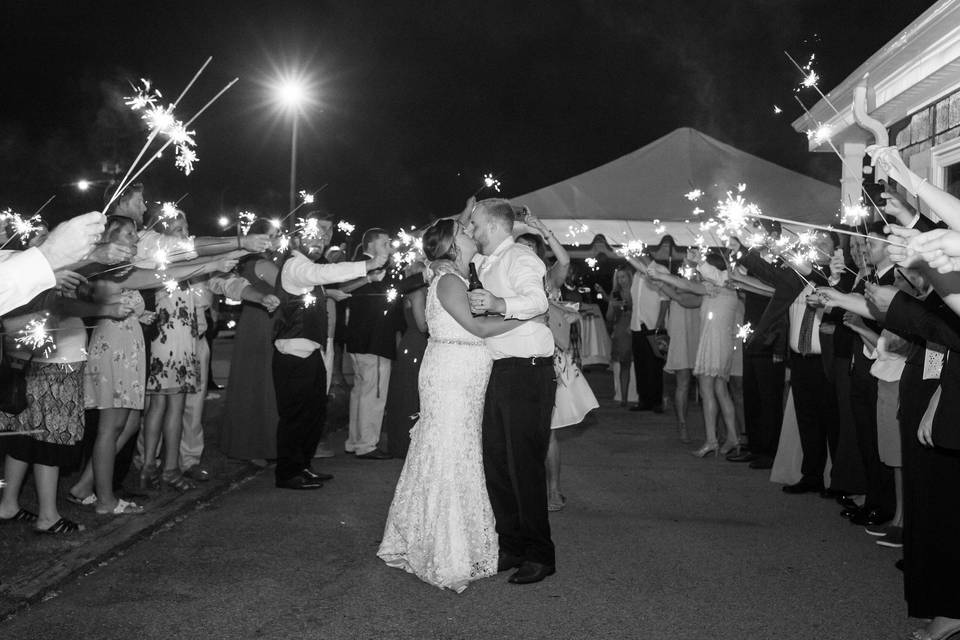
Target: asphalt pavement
[{"x": 654, "y": 543}]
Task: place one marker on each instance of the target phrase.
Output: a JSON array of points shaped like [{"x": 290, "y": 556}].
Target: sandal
[
  {"x": 89, "y": 501},
  {"x": 61, "y": 526},
  {"x": 149, "y": 479},
  {"x": 20, "y": 516},
  {"x": 123, "y": 508},
  {"x": 176, "y": 480}
]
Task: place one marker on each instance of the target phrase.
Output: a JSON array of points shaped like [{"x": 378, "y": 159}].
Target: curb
[{"x": 37, "y": 582}]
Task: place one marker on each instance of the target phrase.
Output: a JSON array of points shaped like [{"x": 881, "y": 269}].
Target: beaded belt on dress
[{"x": 460, "y": 342}]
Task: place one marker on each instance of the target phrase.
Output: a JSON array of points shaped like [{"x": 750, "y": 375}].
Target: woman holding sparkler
[
  {"x": 174, "y": 369},
  {"x": 574, "y": 399},
  {"x": 53, "y": 419},
  {"x": 714, "y": 360}
]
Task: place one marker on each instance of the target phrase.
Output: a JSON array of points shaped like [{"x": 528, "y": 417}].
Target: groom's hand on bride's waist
[{"x": 482, "y": 301}]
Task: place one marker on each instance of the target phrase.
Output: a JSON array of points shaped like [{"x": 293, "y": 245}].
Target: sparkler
[
  {"x": 311, "y": 196},
  {"x": 306, "y": 198},
  {"x": 309, "y": 300},
  {"x": 170, "y": 285},
  {"x": 309, "y": 228},
  {"x": 688, "y": 271},
  {"x": 744, "y": 331},
  {"x": 346, "y": 227},
  {"x": 245, "y": 220},
  {"x": 592, "y": 263},
  {"x": 658, "y": 228},
  {"x": 35, "y": 337},
  {"x": 633, "y": 249},
  {"x": 694, "y": 195},
  {"x": 854, "y": 214},
  {"x": 489, "y": 182},
  {"x": 391, "y": 294},
  {"x": 777, "y": 110}
]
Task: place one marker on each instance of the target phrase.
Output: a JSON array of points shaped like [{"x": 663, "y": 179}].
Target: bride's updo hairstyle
[{"x": 439, "y": 241}]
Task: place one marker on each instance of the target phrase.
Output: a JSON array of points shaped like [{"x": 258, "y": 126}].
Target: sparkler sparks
[
  {"x": 306, "y": 197},
  {"x": 632, "y": 249},
  {"x": 170, "y": 285},
  {"x": 744, "y": 331},
  {"x": 309, "y": 300},
  {"x": 688, "y": 271},
  {"x": 694, "y": 195},
  {"x": 854, "y": 214},
  {"x": 810, "y": 76},
  {"x": 144, "y": 96},
  {"x": 309, "y": 228},
  {"x": 346, "y": 227},
  {"x": 34, "y": 336},
  {"x": 391, "y": 294},
  {"x": 592, "y": 263},
  {"x": 162, "y": 259},
  {"x": 777, "y": 110},
  {"x": 245, "y": 220},
  {"x": 821, "y": 134},
  {"x": 160, "y": 120},
  {"x": 491, "y": 183},
  {"x": 659, "y": 228}
]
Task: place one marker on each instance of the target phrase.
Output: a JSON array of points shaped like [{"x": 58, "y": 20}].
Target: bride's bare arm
[{"x": 452, "y": 295}]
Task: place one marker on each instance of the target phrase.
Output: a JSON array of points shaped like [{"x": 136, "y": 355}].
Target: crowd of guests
[{"x": 863, "y": 326}]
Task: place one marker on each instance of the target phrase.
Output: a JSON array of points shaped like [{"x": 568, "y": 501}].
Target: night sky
[{"x": 417, "y": 100}]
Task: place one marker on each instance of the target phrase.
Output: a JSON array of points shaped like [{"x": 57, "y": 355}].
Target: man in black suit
[{"x": 371, "y": 342}]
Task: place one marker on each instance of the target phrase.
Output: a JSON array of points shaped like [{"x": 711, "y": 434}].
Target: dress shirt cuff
[{"x": 521, "y": 308}]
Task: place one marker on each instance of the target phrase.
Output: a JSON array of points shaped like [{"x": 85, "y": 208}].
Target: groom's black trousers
[
  {"x": 301, "y": 388},
  {"x": 516, "y": 434}
]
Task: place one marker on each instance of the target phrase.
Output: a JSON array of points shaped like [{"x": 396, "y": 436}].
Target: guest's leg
[
  {"x": 807, "y": 382},
  {"x": 681, "y": 400},
  {"x": 126, "y": 447},
  {"x": 880, "y": 486},
  {"x": 294, "y": 380},
  {"x": 46, "y": 478},
  {"x": 191, "y": 440},
  {"x": 375, "y": 377},
  {"x": 709, "y": 402},
  {"x": 172, "y": 431},
  {"x": 152, "y": 425},
  {"x": 639, "y": 344},
  {"x": 625, "y": 382},
  {"x": 356, "y": 395},
  {"x": 726, "y": 404},
  {"x": 14, "y": 472},
  {"x": 735, "y": 387},
  {"x": 104, "y": 455},
  {"x": 553, "y": 471}
]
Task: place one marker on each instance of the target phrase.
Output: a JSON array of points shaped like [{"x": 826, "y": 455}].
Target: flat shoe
[
  {"x": 20, "y": 516},
  {"x": 123, "y": 508},
  {"x": 89, "y": 501},
  {"x": 61, "y": 526}
]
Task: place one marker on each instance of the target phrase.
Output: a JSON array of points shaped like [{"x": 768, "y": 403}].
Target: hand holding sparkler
[
  {"x": 270, "y": 302},
  {"x": 68, "y": 280},
  {"x": 71, "y": 241},
  {"x": 337, "y": 295},
  {"x": 112, "y": 253},
  {"x": 880, "y": 297},
  {"x": 256, "y": 242},
  {"x": 939, "y": 247},
  {"x": 889, "y": 160},
  {"x": 898, "y": 251}
]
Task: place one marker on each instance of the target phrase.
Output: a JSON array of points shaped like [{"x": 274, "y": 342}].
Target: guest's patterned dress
[
  {"x": 174, "y": 366},
  {"x": 116, "y": 360}
]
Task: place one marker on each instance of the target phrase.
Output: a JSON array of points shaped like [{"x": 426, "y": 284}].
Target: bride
[{"x": 440, "y": 526}]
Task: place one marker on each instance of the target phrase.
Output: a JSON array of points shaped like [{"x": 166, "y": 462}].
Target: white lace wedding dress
[{"x": 440, "y": 526}]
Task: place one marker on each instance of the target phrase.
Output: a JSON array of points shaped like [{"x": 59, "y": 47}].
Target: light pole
[{"x": 291, "y": 93}]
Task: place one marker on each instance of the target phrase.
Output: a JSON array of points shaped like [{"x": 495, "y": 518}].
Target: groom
[{"x": 520, "y": 393}]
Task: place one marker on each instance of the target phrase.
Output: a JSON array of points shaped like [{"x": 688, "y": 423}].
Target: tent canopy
[{"x": 622, "y": 198}]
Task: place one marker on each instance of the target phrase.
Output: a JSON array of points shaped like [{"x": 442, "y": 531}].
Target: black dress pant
[
  {"x": 763, "y": 402},
  {"x": 847, "y": 474},
  {"x": 301, "y": 388},
  {"x": 816, "y": 407},
  {"x": 863, "y": 402},
  {"x": 516, "y": 432},
  {"x": 649, "y": 370}
]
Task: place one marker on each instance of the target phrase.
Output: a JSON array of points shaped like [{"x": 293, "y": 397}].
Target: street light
[
  {"x": 292, "y": 93},
  {"x": 83, "y": 185}
]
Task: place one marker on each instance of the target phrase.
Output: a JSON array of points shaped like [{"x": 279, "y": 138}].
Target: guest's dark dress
[
  {"x": 931, "y": 501},
  {"x": 403, "y": 398},
  {"x": 249, "y": 429}
]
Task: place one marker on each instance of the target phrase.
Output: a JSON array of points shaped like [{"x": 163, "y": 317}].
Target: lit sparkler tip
[
  {"x": 634, "y": 248},
  {"x": 741, "y": 187},
  {"x": 777, "y": 110},
  {"x": 170, "y": 285},
  {"x": 309, "y": 300},
  {"x": 245, "y": 220},
  {"x": 694, "y": 195},
  {"x": 592, "y": 263},
  {"x": 275, "y": 223},
  {"x": 391, "y": 294},
  {"x": 346, "y": 227},
  {"x": 821, "y": 134},
  {"x": 307, "y": 198},
  {"x": 687, "y": 271},
  {"x": 169, "y": 211},
  {"x": 491, "y": 183},
  {"x": 854, "y": 214},
  {"x": 34, "y": 336},
  {"x": 744, "y": 331},
  {"x": 309, "y": 228}
]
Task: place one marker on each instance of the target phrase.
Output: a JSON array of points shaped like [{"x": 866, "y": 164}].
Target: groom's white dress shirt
[
  {"x": 23, "y": 276},
  {"x": 515, "y": 273}
]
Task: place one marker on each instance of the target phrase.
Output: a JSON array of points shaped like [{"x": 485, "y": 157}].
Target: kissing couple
[{"x": 472, "y": 500}]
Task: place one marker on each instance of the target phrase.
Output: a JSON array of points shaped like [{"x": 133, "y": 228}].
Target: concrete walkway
[{"x": 654, "y": 544}]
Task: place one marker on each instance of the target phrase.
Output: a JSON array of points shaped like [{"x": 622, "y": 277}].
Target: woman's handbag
[
  {"x": 13, "y": 383},
  {"x": 660, "y": 343}
]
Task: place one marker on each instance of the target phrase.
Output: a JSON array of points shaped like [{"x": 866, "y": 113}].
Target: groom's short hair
[{"x": 501, "y": 211}]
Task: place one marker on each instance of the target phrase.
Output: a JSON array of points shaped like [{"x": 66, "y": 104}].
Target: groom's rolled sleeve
[{"x": 526, "y": 274}]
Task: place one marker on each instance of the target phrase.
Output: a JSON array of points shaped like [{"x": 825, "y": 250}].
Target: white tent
[{"x": 622, "y": 198}]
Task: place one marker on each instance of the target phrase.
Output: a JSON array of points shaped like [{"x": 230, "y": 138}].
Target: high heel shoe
[
  {"x": 728, "y": 447},
  {"x": 706, "y": 449}
]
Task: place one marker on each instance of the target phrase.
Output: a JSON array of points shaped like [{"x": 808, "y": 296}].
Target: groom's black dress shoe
[
  {"x": 320, "y": 477},
  {"x": 299, "y": 482},
  {"x": 530, "y": 572},
  {"x": 376, "y": 454},
  {"x": 508, "y": 561}
]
